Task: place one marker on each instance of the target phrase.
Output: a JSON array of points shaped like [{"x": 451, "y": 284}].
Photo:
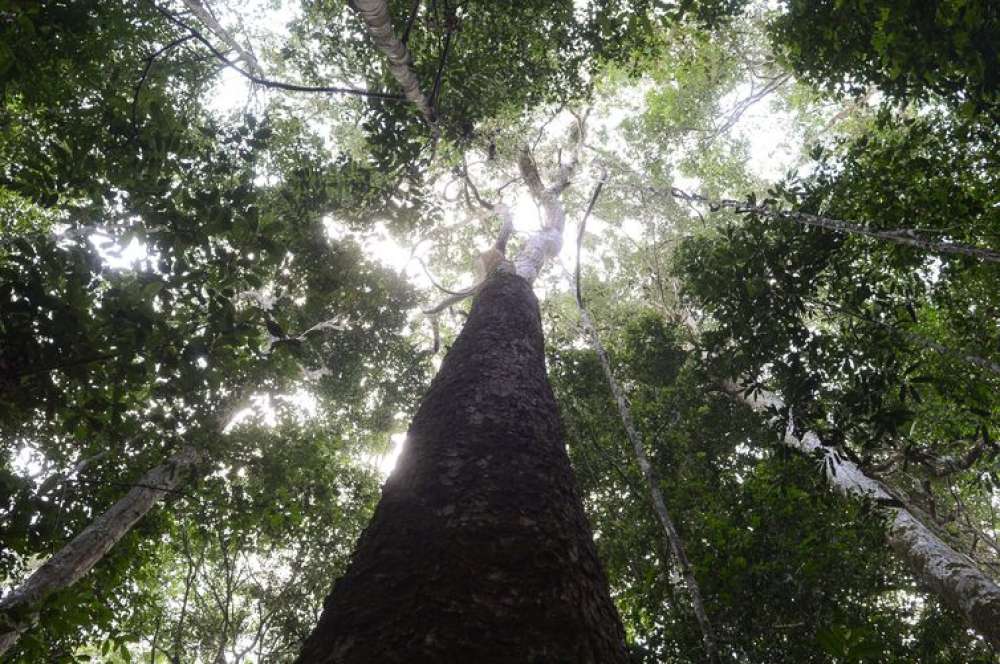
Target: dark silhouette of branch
[
  {"x": 905, "y": 236},
  {"x": 269, "y": 83},
  {"x": 145, "y": 74},
  {"x": 436, "y": 90},
  {"x": 583, "y": 229},
  {"x": 920, "y": 340},
  {"x": 414, "y": 10}
]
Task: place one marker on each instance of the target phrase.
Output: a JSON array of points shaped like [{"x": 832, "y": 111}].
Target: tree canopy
[{"x": 221, "y": 225}]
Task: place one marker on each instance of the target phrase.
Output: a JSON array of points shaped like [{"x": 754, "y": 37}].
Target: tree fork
[{"x": 479, "y": 549}]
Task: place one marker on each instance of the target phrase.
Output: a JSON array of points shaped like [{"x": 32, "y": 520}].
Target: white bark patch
[{"x": 85, "y": 550}]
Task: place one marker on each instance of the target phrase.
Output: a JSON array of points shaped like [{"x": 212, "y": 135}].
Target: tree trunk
[
  {"x": 375, "y": 14},
  {"x": 479, "y": 550},
  {"x": 675, "y": 545},
  {"x": 70, "y": 563},
  {"x": 952, "y": 576}
]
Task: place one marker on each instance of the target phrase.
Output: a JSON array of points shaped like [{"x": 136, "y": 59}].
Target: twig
[
  {"x": 414, "y": 10},
  {"x": 583, "y": 228},
  {"x": 269, "y": 83},
  {"x": 145, "y": 74}
]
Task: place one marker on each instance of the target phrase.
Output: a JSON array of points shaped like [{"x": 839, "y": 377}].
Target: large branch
[
  {"x": 951, "y": 575},
  {"x": 546, "y": 243},
  {"x": 375, "y": 14},
  {"x": 75, "y": 559}
]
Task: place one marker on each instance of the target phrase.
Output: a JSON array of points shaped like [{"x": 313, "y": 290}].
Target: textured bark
[
  {"x": 952, "y": 576},
  {"x": 375, "y": 14},
  {"x": 70, "y": 563},
  {"x": 674, "y": 542},
  {"x": 479, "y": 550}
]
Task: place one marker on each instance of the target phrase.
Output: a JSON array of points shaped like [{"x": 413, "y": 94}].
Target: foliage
[
  {"x": 789, "y": 571},
  {"x": 870, "y": 341},
  {"x": 907, "y": 48},
  {"x": 165, "y": 266}
]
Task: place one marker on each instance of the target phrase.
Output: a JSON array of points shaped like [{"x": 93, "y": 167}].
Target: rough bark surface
[
  {"x": 85, "y": 550},
  {"x": 479, "y": 550},
  {"x": 951, "y": 575}
]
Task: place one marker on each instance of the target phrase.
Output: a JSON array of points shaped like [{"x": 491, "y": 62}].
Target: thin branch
[
  {"x": 145, "y": 74},
  {"x": 674, "y": 541},
  {"x": 434, "y": 281},
  {"x": 905, "y": 236},
  {"x": 269, "y": 83},
  {"x": 918, "y": 339},
  {"x": 541, "y": 130},
  {"x": 414, "y": 10},
  {"x": 583, "y": 229},
  {"x": 649, "y": 473},
  {"x": 472, "y": 185},
  {"x": 436, "y": 90}
]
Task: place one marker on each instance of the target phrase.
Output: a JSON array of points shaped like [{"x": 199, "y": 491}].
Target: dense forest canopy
[{"x": 236, "y": 241}]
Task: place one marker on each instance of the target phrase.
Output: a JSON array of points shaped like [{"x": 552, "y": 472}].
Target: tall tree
[{"x": 479, "y": 547}]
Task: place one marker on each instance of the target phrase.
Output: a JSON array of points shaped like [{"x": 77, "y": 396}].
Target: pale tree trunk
[
  {"x": 546, "y": 243},
  {"x": 674, "y": 541},
  {"x": 68, "y": 565},
  {"x": 675, "y": 544},
  {"x": 903, "y": 236},
  {"x": 952, "y": 576},
  {"x": 375, "y": 14}
]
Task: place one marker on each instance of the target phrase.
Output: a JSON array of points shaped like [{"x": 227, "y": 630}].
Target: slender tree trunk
[
  {"x": 952, "y": 576},
  {"x": 479, "y": 550},
  {"x": 70, "y": 563},
  {"x": 675, "y": 545}
]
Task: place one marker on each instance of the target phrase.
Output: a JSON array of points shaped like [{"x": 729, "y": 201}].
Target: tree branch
[
  {"x": 952, "y": 576},
  {"x": 269, "y": 83},
  {"x": 203, "y": 13},
  {"x": 674, "y": 541}
]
